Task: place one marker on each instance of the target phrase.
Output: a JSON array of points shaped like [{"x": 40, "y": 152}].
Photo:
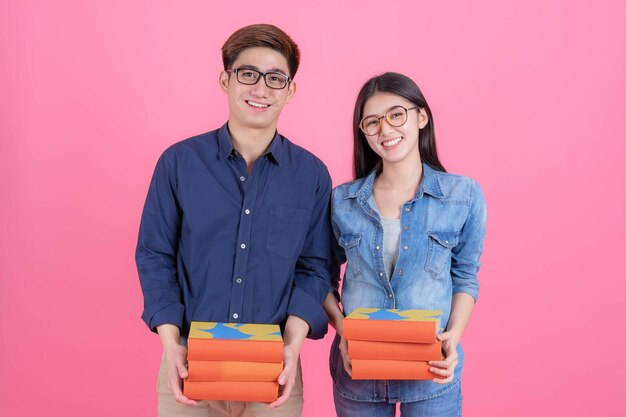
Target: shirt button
[
  {"x": 446, "y": 241},
  {"x": 406, "y": 228},
  {"x": 242, "y": 178},
  {"x": 407, "y": 209},
  {"x": 377, "y": 247},
  {"x": 400, "y": 272},
  {"x": 247, "y": 211},
  {"x": 405, "y": 247},
  {"x": 380, "y": 274},
  {"x": 243, "y": 246},
  {"x": 235, "y": 316},
  {"x": 238, "y": 280},
  {"x": 371, "y": 211}
]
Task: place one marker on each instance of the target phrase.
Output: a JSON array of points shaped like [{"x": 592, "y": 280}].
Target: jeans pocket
[
  {"x": 440, "y": 246},
  {"x": 350, "y": 244},
  {"x": 286, "y": 230}
]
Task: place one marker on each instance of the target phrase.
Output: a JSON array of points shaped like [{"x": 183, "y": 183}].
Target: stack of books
[
  {"x": 392, "y": 344},
  {"x": 233, "y": 362}
]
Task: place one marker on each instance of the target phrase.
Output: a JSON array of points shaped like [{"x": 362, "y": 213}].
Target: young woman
[{"x": 412, "y": 236}]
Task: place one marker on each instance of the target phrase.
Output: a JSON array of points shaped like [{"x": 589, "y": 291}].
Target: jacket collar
[{"x": 362, "y": 188}]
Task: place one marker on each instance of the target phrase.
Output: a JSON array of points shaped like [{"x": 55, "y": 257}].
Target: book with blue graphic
[
  {"x": 210, "y": 341},
  {"x": 392, "y": 325}
]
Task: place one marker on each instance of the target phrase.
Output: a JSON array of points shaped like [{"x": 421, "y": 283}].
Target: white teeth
[
  {"x": 257, "y": 105},
  {"x": 392, "y": 142}
]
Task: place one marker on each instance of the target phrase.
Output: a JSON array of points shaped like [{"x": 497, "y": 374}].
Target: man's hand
[
  {"x": 296, "y": 330},
  {"x": 175, "y": 361},
  {"x": 287, "y": 378}
]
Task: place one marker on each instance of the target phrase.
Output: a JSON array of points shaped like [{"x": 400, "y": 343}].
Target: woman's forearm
[
  {"x": 460, "y": 313},
  {"x": 335, "y": 315}
]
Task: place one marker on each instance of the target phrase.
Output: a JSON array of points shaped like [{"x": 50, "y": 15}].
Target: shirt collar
[
  {"x": 226, "y": 147},
  {"x": 429, "y": 185}
]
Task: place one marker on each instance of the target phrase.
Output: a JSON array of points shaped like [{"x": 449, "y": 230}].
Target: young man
[{"x": 236, "y": 227}]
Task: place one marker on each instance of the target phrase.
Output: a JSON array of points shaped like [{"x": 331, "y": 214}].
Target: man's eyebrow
[{"x": 246, "y": 66}]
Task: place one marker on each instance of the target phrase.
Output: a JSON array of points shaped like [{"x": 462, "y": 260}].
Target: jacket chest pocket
[
  {"x": 286, "y": 230},
  {"x": 350, "y": 244},
  {"x": 440, "y": 246}
]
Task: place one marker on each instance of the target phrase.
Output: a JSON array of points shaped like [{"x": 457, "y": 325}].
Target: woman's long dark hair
[{"x": 365, "y": 159}]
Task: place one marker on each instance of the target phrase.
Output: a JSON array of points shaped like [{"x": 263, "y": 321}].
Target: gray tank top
[{"x": 391, "y": 243}]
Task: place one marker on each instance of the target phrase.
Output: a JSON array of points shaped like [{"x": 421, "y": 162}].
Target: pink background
[{"x": 529, "y": 99}]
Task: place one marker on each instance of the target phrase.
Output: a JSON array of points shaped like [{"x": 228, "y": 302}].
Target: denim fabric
[
  {"x": 448, "y": 404},
  {"x": 442, "y": 232}
]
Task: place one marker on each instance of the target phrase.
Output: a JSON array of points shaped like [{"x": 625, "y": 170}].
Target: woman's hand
[
  {"x": 347, "y": 363},
  {"x": 445, "y": 368}
]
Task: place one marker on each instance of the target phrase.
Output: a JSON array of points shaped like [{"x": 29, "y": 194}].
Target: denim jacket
[{"x": 442, "y": 232}]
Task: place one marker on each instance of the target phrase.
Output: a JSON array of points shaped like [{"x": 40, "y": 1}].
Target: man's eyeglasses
[
  {"x": 395, "y": 116},
  {"x": 248, "y": 76}
]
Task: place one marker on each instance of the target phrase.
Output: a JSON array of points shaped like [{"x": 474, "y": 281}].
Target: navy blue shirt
[{"x": 218, "y": 245}]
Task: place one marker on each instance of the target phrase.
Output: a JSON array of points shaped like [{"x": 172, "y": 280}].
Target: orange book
[
  {"x": 388, "y": 369},
  {"x": 263, "y": 392},
  {"x": 209, "y": 341},
  {"x": 377, "y": 324},
  {"x": 233, "y": 371},
  {"x": 362, "y": 349}
]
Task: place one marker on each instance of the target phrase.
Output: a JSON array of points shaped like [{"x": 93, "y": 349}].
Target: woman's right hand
[{"x": 347, "y": 363}]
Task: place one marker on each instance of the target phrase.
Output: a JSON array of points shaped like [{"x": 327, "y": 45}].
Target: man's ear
[
  {"x": 224, "y": 78},
  {"x": 291, "y": 91}
]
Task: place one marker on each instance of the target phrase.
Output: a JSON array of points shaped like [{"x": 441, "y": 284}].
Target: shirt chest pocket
[
  {"x": 350, "y": 244},
  {"x": 440, "y": 246},
  {"x": 286, "y": 230}
]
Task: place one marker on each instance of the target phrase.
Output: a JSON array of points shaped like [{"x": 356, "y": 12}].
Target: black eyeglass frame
[
  {"x": 261, "y": 74},
  {"x": 384, "y": 116}
]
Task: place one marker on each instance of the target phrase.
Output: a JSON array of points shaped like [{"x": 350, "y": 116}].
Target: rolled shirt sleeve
[{"x": 466, "y": 255}]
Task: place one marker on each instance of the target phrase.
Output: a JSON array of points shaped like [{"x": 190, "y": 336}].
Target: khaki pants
[{"x": 168, "y": 407}]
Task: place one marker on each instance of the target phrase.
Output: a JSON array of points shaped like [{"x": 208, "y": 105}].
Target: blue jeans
[{"x": 446, "y": 405}]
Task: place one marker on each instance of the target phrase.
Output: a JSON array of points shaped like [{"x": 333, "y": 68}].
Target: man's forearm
[
  {"x": 296, "y": 331},
  {"x": 170, "y": 335}
]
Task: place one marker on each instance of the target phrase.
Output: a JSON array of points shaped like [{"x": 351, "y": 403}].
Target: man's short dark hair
[{"x": 264, "y": 36}]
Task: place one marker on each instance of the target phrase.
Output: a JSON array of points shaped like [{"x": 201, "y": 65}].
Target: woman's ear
[{"x": 422, "y": 118}]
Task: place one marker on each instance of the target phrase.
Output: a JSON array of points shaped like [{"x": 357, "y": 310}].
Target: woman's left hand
[{"x": 445, "y": 368}]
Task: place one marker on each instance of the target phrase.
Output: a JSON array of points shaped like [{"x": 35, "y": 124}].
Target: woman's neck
[{"x": 401, "y": 177}]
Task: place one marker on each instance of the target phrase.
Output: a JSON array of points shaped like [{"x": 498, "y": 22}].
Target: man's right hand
[{"x": 175, "y": 360}]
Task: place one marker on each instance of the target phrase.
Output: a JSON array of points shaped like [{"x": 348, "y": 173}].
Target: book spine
[
  {"x": 390, "y": 370},
  {"x": 361, "y": 349},
  {"x": 233, "y": 371},
  {"x": 390, "y": 330},
  {"x": 234, "y": 350},
  {"x": 264, "y": 392}
]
